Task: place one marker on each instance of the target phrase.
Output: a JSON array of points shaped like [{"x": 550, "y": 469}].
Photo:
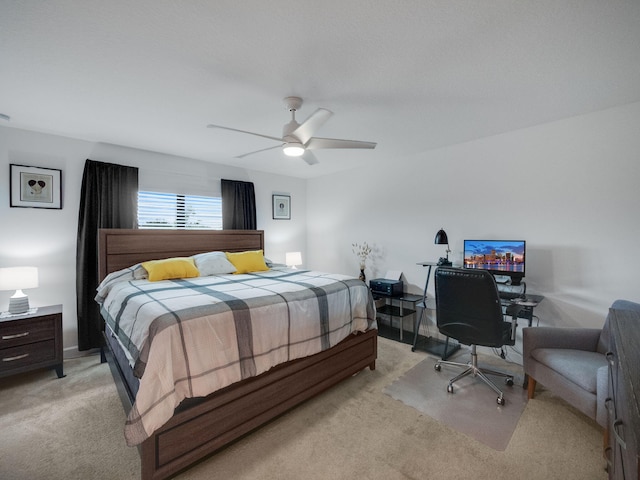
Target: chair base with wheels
[{"x": 473, "y": 369}]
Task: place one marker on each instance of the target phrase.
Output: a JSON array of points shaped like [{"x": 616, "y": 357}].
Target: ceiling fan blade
[
  {"x": 244, "y": 131},
  {"x": 309, "y": 157},
  {"x": 305, "y": 131},
  {"x": 258, "y": 151},
  {"x": 317, "y": 142}
]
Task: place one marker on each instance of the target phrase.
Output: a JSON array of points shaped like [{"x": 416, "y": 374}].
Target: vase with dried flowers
[{"x": 362, "y": 251}]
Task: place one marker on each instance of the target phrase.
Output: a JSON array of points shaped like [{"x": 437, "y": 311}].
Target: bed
[{"x": 200, "y": 426}]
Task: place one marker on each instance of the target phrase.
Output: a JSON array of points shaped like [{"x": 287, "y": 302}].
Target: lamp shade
[
  {"x": 293, "y": 259},
  {"x": 441, "y": 238},
  {"x": 18, "y": 278}
]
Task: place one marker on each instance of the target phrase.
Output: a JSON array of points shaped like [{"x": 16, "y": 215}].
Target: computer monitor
[{"x": 500, "y": 257}]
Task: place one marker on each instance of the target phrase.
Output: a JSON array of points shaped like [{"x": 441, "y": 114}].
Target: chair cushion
[{"x": 577, "y": 366}]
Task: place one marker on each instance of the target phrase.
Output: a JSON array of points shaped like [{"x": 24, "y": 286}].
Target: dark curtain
[
  {"x": 238, "y": 205},
  {"x": 108, "y": 199}
]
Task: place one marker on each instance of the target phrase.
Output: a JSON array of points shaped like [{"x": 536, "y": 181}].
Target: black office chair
[{"x": 468, "y": 309}]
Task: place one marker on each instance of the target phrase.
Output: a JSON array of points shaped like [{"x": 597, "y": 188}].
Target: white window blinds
[{"x": 174, "y": 210}]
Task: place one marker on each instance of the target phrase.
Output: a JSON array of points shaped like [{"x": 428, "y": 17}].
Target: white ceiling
[{"x": 412, "y": 75}]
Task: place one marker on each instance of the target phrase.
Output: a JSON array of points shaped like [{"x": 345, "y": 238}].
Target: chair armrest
[{"x": 560, "y": 337}]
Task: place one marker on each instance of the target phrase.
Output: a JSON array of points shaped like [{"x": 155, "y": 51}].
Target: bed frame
[{"x": 195, "y": 431}]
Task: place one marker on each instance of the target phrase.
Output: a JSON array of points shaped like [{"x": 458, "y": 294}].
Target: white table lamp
[
  {"x": 293, "y": 259},
  {"x": 18, "y": 278}
]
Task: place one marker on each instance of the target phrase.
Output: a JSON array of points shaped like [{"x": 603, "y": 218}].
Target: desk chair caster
[
  {"x": 500, "y": 400},
  {"x": 508, "y": 381}
]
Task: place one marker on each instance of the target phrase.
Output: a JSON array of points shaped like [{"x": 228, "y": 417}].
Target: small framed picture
[
  {"x": 281, "y": 207},
  {"x": 35, "y": 187}
]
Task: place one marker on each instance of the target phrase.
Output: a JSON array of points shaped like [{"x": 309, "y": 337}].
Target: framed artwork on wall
[
  {"x": 281, "y": 207},
  {"x": 35, "y": 187}
]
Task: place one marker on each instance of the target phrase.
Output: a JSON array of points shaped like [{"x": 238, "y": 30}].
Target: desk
[
  {"x": 442, "y": 348},
  {"x": 531, "y": 302},
  {"x": 430, "y": 344}
]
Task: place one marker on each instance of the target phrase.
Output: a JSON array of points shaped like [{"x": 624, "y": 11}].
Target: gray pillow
[{"x": 213, "y": 263}]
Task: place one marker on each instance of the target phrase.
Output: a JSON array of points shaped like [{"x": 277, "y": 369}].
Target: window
[{"x": 174, "y": 210}]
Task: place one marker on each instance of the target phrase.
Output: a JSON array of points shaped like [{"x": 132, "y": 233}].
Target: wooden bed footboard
[
  {"x": 196, "y": 432},
  {"x": 227, "y": 415}
]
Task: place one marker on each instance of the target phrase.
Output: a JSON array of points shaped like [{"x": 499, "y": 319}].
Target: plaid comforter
[{"x": 190, "y": 337}]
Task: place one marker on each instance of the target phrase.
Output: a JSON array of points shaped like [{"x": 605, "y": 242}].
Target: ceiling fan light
[{"x": 293, "y": 149}]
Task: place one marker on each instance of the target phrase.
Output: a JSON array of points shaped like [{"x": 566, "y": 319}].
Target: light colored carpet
[
  {"x": 472, "y": 408},
  {"x": 72, "y": 428}
]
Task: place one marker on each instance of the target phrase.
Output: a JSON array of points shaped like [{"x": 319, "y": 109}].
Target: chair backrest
[{"x": 468, "y": 307}]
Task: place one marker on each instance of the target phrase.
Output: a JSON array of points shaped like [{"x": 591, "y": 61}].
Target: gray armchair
[{"x": 570, "y": 362}]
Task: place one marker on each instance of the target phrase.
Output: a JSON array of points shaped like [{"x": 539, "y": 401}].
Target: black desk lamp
[{"x": 442, "y": 239}]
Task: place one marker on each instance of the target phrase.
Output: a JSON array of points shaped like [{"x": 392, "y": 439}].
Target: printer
[{"x": 387, "y": 287}]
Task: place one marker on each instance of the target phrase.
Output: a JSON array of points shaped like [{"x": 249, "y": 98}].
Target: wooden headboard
[{"x": 121, "y": 248}]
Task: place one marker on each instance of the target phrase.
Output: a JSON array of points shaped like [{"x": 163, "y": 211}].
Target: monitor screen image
[{"x": 500, "y": 257}]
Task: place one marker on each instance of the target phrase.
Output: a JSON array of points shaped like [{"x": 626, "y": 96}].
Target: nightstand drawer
[
  {"x": 29, "y": 331},
  {"x": 23, "y": 355}
]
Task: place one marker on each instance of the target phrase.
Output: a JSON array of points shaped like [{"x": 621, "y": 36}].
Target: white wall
[
  {"x": 569, "y": 188},
  {"x": 47, "y": 238}
]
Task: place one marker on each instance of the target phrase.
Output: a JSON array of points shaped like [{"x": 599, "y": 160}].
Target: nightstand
[{"x": 31, "y": 341}]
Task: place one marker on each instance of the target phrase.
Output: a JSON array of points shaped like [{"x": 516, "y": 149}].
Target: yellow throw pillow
[
  {"x": 245, "y": 262},
  {"x": 177, "y": 267}
]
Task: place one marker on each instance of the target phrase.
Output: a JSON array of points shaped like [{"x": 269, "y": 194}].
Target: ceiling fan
[{"x": 297, "y": 139}]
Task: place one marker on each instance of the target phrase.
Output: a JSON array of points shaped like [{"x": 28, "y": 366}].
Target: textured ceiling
[{"x": 411, "y": 75}]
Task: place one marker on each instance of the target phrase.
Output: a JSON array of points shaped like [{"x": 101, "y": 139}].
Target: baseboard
[{"x": 72, "y": 352}]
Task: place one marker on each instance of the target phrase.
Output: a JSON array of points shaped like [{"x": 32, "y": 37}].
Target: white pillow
[
  {"x": 213, "y": 263},
  {"x": 139, "y": 273},
  {"x": 135, "y": 272}
]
